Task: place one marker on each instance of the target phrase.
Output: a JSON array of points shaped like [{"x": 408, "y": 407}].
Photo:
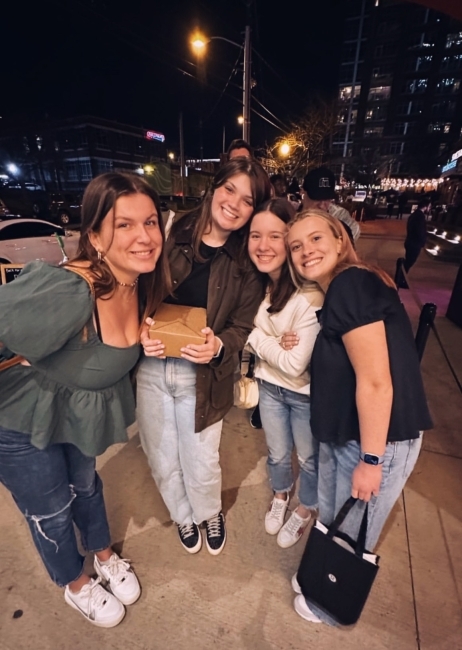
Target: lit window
[
  {"x": 453, "y": 62},
  {"x": 415, "y": 86},
  {"x": 373, "y": 132},
  {"x": 346, "y": 92},
  {"x": 439, "y": 127},
  {"x": 448, "y": 85},
  {"x": 454, "y": 40},
  {"x": 380, "y": 93}
]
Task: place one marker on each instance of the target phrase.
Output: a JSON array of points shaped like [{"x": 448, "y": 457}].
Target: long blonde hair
[{"x": 347, "y": 258}]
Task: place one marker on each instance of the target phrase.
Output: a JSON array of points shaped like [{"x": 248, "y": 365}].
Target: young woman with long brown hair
[
  {"x": 283, "y": 374},
  {"x": 182, "y": 401},
  {"x": 77, "y": 330}
]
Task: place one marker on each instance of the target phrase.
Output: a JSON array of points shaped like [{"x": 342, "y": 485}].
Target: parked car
[
  {"x": 4, "y": 212},
  {"x": 24, "y": 240},
  {"x": 64, "y": 208},
  {"x": 26, "y": 201}
]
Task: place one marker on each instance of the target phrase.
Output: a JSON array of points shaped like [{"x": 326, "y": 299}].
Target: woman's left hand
[
  {"x": 202, "y": 353},
  {"x": 366, "y": 480},
  {"x": 289, "y": 340}
]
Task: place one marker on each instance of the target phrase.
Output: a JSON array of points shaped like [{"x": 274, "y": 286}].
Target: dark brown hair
[
  {"x": 261, "y": 191},
  {"x": 239, "y": 144},
  {"x": 99, "y": 198},
  {"x": 347, "y": 258},
  {"x": 283, "y": 290}
]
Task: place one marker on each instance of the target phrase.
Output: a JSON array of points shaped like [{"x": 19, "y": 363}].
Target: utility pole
[
  {"x": 182, "y": 162},
  {"x": 246, "y": 86}
]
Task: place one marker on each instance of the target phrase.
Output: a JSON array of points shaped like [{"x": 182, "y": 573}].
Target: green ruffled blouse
[{"x": 77, "y": 389}]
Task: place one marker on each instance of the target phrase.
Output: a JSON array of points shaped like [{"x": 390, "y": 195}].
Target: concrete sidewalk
[{"x": 242, "y": 599}]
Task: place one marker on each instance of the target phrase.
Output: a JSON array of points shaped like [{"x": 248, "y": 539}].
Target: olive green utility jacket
[{"x": 234, "y": 295}]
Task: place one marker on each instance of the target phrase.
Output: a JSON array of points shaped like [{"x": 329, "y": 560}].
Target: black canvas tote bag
[{"x": 336, "y": 573}]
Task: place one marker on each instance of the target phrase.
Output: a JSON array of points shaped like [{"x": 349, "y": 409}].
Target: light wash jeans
[
  {"x": 285, "y": 417},
  {"x": 55, "y": 488},
  {"x": 336, "y": 465},
  {"x": 184, "y": 464}
]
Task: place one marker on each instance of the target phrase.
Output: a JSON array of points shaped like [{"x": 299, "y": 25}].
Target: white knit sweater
[{"x": 288, "y": 369}]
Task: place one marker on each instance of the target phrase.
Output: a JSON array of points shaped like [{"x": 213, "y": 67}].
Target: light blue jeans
[
  {"x": 285, "y": 417},
  {"x": 185, "y": 465},
  {"x": 336, "y": 465}
]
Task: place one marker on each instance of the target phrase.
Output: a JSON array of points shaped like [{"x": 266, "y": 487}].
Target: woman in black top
[{"x": 368, "y": 406}]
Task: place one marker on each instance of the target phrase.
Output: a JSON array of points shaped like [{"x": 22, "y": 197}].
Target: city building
[
  {"x": 64, "y": 155},
  {"x": 400, "y": 91}
]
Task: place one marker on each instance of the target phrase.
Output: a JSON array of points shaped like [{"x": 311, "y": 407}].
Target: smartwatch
[{"x": 371, "y": 459}]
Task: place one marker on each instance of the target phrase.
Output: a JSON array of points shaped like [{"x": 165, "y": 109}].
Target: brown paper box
[{"x": 177, "y": 325}]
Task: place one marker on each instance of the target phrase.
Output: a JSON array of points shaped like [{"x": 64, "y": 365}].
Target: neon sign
[
  {"x": 154, "y": 135},
  {"x": 449, "y": 166}
]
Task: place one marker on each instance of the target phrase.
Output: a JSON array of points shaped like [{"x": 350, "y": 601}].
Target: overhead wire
[
  {"x": 142, "y": 44},
  {"x": 233, "y": 71}
]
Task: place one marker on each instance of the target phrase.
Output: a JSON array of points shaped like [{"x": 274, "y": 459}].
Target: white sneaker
[
  {"x": 120, "y": 578},
  {"x": 295, "y": 586},
  {"x": 292, "y": 530},
  {"x": 96, "y": 604},
  {"x": 274, "y": 518},
  {"x": 304, "y": 611}
]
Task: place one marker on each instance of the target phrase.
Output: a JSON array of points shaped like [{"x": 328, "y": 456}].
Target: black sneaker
[
  {"x": 190, "y": 536},
  {"x": 255, "y": 419},
  {"x": 215, "y": 534}
]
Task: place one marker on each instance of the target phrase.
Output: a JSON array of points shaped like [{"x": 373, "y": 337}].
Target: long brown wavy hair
[
  {"x": 99, "y": 198},
  {"x": 347, "y": 258},
  {"x": 201, "y": 217}
]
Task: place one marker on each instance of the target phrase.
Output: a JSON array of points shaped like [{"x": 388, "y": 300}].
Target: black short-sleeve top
[
  {"x": 358, "y": 297},
  {"x": 77, "y": 389}
]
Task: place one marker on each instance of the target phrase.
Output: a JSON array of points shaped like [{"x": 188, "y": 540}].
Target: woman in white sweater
[{"x": 283, "y": 375}]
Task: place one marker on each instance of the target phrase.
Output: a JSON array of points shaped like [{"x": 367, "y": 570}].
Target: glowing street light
[
  {"x": 240, "y": 119},
  {"x": 171, "y": 155},
  {"x": 13, "y": 169},
  {"x": 199, "y": 43},
  {"x": 148, "y": 169},
  {"x": 284, "y": 149}
]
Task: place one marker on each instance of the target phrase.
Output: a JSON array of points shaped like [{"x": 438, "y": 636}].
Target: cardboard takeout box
[{"x": 177, "y": 326}]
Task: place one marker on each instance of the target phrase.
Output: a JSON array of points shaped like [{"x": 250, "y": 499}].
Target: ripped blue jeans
[{"x": 55, "y": 488}]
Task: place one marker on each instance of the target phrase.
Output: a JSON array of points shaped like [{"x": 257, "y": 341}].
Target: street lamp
[
  {"x": 199, "y": 44},
  {"x": 284, "y": 149},
  {"x": 240, "y": 119}
]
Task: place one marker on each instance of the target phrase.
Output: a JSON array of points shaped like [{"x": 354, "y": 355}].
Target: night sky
[{"x": 131, "y": 62}]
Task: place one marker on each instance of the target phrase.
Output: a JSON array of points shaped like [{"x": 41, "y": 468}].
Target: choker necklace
[{"x": 128, "y": 284}]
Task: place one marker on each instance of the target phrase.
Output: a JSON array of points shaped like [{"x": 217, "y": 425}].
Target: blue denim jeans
[
  {"x": 185, "y": 465},
  {"x": 285, "y": 417},
  {"x": 336, "y": 465},
  {"x": 55, "y": 488}
]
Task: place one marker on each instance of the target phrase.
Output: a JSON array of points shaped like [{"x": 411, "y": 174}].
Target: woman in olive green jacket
[{"x": 182, "y": 402}]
